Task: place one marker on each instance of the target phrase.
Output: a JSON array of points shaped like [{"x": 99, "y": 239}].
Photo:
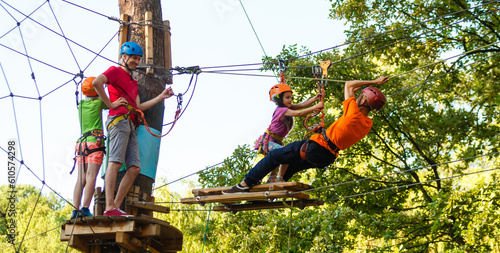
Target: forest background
[{"x": 425, "y": 179}]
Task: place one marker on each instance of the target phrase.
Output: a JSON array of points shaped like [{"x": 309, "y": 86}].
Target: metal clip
[
  {"x": 316, "y": 71},
  {"x": 325, "y": 65},
  {"x": 179, "y": 101}
]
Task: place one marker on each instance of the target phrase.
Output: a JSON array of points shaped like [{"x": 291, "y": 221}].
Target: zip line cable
[
  {"x": 398, "y": 172},
  {"x": 257, "y": 36},
  {"x": 343, "y": 81},
  {"x": 345, "y": 44},
  {"x": 412, "y": 184},
  {"x": 213, "y": 166},
  {"x": 398, "y": 29},
  {"x": 45, "y": 232},
  {"x": 365, "y": 38},
  {"x": 97, "y": 55},
  {"x": 436, "y": 77}
]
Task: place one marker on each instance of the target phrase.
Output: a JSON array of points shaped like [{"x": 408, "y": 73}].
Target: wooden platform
[
  {"x": 125, "y": 234},
  {"x": 264, "y": 196}
]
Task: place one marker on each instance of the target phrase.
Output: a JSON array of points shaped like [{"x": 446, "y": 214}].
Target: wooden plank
[
  {"x": 148, "y": 33},
  {"x": 95, "y": 249},
  {"x": 63, "y": 237},
  {"x": 98, "y": 207},
  {"x": 129, "y": 242},
  {"x": 123, "y": 36},
  {"x": 154, "y": 220},
  {"x": 100, "y": 228},
  {"x": 167, "y": 48},
  {"x": 152, "y": 207},
  {"x": 301, "y": 204},
  {"x": 239, "y": 197},
  {"x": 79, "y": 244},
  {"x": 148, "y": 230},
  {"x": 153, "y": 250},
  {"x": 291, "y": 186}
]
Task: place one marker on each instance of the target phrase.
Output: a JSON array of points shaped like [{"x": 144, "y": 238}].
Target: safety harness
[
  {"x": 264, "y": 141},
  {"x": 318, "y": 128},
  {"x": 141, "y": 118},
  {"x": 125, "y": 116},
  {"x": 99, "y": 136}
]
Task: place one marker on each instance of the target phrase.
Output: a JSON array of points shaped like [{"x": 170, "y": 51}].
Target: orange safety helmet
[
  {"x": 278, "y": 89},
  {"x": 376, "y": 98},
  {"x": 88, "y": 88}
]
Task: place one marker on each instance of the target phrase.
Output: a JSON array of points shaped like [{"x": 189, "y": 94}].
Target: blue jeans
[{"x": 317, "y": 157}]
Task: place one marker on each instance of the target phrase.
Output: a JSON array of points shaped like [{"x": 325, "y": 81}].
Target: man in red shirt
[
  {"x": 123, "y": 145},
  {"x": 322, "y": 149}
]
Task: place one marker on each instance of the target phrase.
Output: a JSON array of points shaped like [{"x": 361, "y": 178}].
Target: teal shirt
[{"x": 90, "y": 116}]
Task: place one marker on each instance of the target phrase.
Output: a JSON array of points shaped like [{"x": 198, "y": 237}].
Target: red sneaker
[{"x": 117, "y": 212}]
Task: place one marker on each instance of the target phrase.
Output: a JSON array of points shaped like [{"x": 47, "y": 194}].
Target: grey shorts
[{"x": 123, "y": 145}]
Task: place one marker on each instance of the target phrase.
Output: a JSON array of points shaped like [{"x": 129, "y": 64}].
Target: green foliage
[
  {"x": 232, "y": 170},
  {"x": 38, "y": 218},
  {"x": 392, "y": 187}
]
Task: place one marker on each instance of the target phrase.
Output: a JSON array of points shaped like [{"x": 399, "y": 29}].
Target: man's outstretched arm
[{"x": 351, "y": 87}]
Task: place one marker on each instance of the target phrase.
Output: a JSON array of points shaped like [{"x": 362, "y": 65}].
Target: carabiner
[{"x": 179, "y": 101}]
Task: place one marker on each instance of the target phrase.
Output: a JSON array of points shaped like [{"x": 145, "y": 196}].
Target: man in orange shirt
[{"x": 322, "y": 149}]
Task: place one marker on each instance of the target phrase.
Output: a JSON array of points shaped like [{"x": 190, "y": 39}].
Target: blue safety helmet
[{"x": 131, "y": 48}]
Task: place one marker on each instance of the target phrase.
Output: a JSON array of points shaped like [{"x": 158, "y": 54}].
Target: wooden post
[
  {"x": 123, "y": 36},
  {"x": 98, "y": 199},
  {"x": 148, "y": 32},
  {"x": 168, "y": 49}
]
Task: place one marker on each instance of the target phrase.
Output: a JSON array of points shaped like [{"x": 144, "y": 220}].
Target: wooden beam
[
  {"x": 243, "y": 197},
  {"x": 129, "y": 242},
  {"x": 149, "y": 41},
  {"x": 79, "y": 244},
  {"x": 100, "y": 228},
  {"x": 168, "y": 49},
  {"x": 301, "y": 204},
  {"x": 152, "y": 207},
  {"x": 148, "y": 230},
  {"x": 98, "y": 207},
  {"x": 291, "y": 186},
  {"x": 123, "y": 36},
  {"x": 95, "y": 249}
]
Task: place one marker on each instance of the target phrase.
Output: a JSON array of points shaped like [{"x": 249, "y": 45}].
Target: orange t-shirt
[{"x": 348, "y": 129}]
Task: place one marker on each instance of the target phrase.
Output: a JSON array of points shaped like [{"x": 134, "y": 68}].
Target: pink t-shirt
[
  {"x": 121, "y": 85},
  {"x": 280, "y": 124}
]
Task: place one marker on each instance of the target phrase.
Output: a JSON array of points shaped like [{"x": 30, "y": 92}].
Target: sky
[{"x": 226, "y": 110}]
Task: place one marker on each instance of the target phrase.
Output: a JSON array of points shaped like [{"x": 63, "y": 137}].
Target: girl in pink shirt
[{"x": 282, "y": 123}]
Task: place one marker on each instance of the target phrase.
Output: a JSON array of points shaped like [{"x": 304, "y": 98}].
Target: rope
[
  {"x": 412, "y": 184},
  {"x": 398, "y": 172},
  {"x": 289, "y": 222},
  {"x": 321, "y": 90},
  {"x": 206, "y": 229},
  {"x": 31, "y": 217}
]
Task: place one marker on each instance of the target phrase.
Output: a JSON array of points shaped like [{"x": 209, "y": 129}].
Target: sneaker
[
  {"x": 117, "y": 212},
  {"x": 85, "y": 212},
  {"x": 73, "y": 214},
  {"x": 275, "y": 179},
  {"x": 271, "y": 179},
  {"x": 237, "y": 189}
]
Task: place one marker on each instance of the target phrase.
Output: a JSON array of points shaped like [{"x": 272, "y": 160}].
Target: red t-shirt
[
  {"x": 348, "y": 129},
  {"x": 120, "y": 84}
]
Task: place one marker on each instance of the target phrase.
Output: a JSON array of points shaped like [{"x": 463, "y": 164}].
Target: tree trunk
[{"x": 149, "y": 85}]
